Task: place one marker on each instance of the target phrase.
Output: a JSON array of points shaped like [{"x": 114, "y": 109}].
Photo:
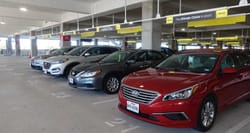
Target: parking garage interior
[{"x": 32, "y": 101}]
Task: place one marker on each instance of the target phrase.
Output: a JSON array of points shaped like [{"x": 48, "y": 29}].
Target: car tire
[
  {"x": 111, "y": 84},
  {"x": 207, "y": 114}
]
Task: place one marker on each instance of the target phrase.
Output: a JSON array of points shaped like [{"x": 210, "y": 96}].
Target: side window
[
  {"x": 94, "y": 51},
  {"x": 227, "y": 62},
  {"x": 152, "y": 55},
  {"x": 105, "y": 50},
  {"x": 241, "y": 60},
  {"x": 140, "y": 56}
]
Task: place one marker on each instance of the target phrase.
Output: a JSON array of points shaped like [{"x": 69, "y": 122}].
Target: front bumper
[
  {"x": 177, "y": 114},
  {"x": 91, "y": 83},
  {"x": 54, "y": 69},
  {"x": 36, "y": 64}
]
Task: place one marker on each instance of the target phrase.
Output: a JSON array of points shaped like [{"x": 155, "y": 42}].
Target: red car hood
[{"x": 163, "y": 81}]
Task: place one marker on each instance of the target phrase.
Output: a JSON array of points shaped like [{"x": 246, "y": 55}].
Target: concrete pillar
[
  {"x": 95, "y": 42},
  {"x": 18, "y": 49},
  {"x": 9, "y": 46},
  {"x": 33, "y": 40},
  {"x": 65, "y": 41},
  {"x": 151, "y": 30}
]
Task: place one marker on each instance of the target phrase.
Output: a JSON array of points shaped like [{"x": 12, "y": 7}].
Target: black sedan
[{"x": 106, "y": 75}]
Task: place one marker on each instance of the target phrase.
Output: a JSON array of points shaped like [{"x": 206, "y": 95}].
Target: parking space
[{"x": 31, "y": 101}]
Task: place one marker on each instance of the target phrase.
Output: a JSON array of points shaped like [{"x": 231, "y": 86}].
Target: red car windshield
[{"x": 197, "y": 63}]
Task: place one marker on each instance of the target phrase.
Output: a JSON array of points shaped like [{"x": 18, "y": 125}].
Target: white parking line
[
  {"x": 109, "y": 124},
  {"x": 129, "y": 129},
  {"x": 105, "y": 101},
  {"x": 240, "y": 125}
]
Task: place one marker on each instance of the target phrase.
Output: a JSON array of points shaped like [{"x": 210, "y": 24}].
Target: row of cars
[{"x": 187, "y": 89}]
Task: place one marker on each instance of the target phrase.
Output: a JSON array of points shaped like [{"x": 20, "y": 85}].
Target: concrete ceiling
[{"x": 44, "y": 14}]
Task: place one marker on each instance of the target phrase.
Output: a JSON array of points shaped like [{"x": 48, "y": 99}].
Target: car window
[
  {"x": 108, "y": 50},
  {"x": 227, "y": 62},
  {"x": 77, "y": 51},
  {"x": 94, "y": 51},
  {"x": 197, "y": 63},
  {"x": 153, "y": 55},
  {"x": 139, "y": 57},
  {"x": 116, "y": 57},
  {"x": 241, "y": 60}
]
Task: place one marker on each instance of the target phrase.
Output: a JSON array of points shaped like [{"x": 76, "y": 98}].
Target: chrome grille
[
  {"x": 139, "y": 95},
  {"x": 46, "y": 65}
]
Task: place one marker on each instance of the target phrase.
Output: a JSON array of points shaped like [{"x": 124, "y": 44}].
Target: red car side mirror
[{"x": 229, "y": 70}]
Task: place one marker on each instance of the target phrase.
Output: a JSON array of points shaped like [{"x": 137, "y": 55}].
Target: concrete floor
[{"x": 31, "y": 102}]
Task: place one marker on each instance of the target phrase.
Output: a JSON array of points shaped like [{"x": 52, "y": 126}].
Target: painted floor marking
[
  {"x": 240, "y": 125},
  {"x": 105, "y": 101},
  {"x": 60, "y": 95},
  {"x": 129, "y": 129},
  {"x": 109, "y": 124}
]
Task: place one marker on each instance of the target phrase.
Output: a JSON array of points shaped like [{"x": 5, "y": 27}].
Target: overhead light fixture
[
  {"x": 130, "y": 22},
  {"x": 214, "y": 33},
  {"x": 2, "y": 22},
  {"x": 183, "y": 29},
  {"x": 23, "y": 9}
]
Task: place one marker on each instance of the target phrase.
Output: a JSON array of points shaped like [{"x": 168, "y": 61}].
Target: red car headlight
[{"x": 181, "y": 94}]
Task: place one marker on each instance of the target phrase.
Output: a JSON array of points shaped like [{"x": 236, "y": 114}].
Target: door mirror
[
  {"x": 229, "y": 70},
  {"x": 131, "y": 62},
  {"x": 87, "y": 54}
]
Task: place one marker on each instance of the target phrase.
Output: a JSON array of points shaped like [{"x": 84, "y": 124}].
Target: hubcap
[
  {"x": 207, "y": 114},
  {"x": 112, "y": 84}
]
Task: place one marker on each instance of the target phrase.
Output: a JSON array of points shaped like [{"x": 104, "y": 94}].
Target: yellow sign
[
  {"x": 87, "y": 34},
  {"x": 221, "y": 13},
  {"x": 170, "y": 20},
  {"x": 117, "y": 26},
  {"x": 97, "y": 29},
  {"x": 217, "y": 21},
  {"x": 129, "y": 30}
]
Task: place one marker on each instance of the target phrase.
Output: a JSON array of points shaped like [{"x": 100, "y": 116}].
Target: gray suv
[{"x": 61, "y": 65}]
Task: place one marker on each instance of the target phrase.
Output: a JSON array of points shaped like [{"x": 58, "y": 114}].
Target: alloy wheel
[{"x": 208, "y": 114}]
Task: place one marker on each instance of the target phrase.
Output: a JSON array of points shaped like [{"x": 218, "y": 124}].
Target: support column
[
  {"x": 33, "y": 39},
  {"x": 18, "y": 49},
  {"x": 95, "y": 42},
  {"x": 9, "y": 46},
  {"x": 151, "y": 30}
]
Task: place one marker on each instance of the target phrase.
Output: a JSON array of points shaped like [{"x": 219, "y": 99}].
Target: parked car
[
  {"x": 37, "y": 61},
  {"x": 167, "y": 51},
  {"x": 61, "y": 65},
  {"x": 187, "y": 89},
  {"x": 107, "y": 73}
]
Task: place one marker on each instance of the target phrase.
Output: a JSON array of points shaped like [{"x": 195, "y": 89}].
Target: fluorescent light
[
  {"x": 183, "y": 29},
  {"x": 2, "y": 22},
  {"x": 214, "y": 33},
  {"x": 23, "y": 9},
  {"x": 131, "y": 22}
]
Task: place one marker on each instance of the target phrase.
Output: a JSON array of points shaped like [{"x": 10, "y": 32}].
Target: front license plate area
[{"x": 134, "y": 107}]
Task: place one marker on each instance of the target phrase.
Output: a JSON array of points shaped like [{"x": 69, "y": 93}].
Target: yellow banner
[
  {"x": 234, "y": 43},
  {"x": 87, "y": 34},
  {"x": 234, "y": 38},
  {"x": 218, "y": 21},
  {"x": 129, "y": 30}
]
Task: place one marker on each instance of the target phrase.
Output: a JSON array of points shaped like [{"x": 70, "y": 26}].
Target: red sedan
[{"x": 187, "y": 89}]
